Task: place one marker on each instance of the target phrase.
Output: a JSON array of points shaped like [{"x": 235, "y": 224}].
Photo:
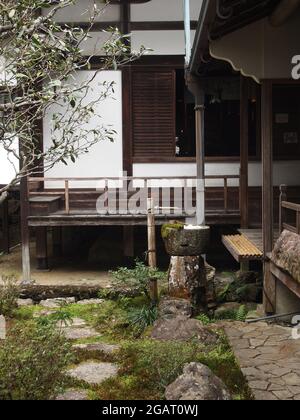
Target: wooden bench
[{"x": 242, "y": 250}]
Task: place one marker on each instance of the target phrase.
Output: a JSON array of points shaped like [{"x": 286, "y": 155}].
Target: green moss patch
[
  {"x": 148, "y": 366},
  {"x": 166, "y": 228}
]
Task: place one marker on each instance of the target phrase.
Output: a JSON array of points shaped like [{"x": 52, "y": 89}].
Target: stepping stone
[
  {"x": 25, "y": 302},
  {"x": 72, "y": 323},
  {"x": 106, "y": 349},
  {"x": 90, "y": 302},
  {"x": 73, "y": 395},
  {"x": 93, "y": 373},
  {"x": 43, "y": 313},
  {"x": 77, "y": 333},
  {"x": 57, "y": 302}
]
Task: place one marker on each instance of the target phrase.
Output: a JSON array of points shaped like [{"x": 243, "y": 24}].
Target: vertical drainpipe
[
  {"x": 194, "y": 87},
  {"x": 200, "y": 156},
  {"x": 187, "y": 31}
]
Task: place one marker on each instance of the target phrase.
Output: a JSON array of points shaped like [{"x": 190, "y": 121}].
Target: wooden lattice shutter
[{"x": 153, "y": 113}]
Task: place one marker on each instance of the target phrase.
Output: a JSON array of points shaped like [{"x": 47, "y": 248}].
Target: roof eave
[{"x": 201, "y": 42}]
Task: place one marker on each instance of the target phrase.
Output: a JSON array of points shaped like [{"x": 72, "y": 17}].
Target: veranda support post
[
  {"x": 152, "y": 249},
  {"x": 267, "y": 195},
  {"x": 25, "y": 237}
]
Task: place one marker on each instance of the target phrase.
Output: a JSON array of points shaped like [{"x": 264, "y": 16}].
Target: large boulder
[
  {"x": 182, "y": 328},
  {"x": 286, "y": 254},
  {"x": 197, "y": 383}
]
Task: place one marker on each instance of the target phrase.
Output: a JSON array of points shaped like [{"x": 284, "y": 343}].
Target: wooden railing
[
  {"x": 285, "y": 207},
  {"x": 66, "y": 189},
  {"x": 225, "y": 179}
]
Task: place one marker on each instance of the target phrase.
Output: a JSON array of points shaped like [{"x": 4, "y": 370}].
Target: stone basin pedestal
[{"x": 187, "y": 271}]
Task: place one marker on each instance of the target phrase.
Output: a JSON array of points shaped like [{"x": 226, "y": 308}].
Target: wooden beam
[
  {"x": 244, "y": 152},
  {"x": 285, "y": 279},
  {"x": 267, "y": 194},
  {"x": 25, "y": 237}
]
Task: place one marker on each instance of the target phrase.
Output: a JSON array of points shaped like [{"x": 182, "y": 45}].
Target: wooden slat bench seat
[{"x": 241, "y": 248}]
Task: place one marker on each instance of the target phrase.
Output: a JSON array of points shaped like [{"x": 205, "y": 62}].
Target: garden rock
[
  {"x": 90, "y": 302},
  {"x": 232, "y": 307},
  {"x": 172, "y": 307},
  {"x": 106, "y": 349},
  {"x": 182, "y": 328},
  {"x": 73, "y": 395},
  {"x": 247, "y": 277},
  {"x": 223, "y": 283},
  {"x": 197, "y": 383},
  {"x": 25, "y": 302},
  {"x": 57, "y": 302},
  {"x": 210, "y": 284},
  {"x": 250, "y": 293},
  {"x": 226, "y": 308},
  {"x": 93, "y": 373}
]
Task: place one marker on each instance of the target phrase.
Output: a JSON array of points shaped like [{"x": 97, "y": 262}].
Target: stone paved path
[{"x": 269, "y": 359}]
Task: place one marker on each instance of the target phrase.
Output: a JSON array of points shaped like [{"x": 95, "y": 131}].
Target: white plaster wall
[
  {"x": 7, "y": 163},
  {"x": 82, "y": 10},
  {"x": 261, "y": 50},
  {"x": 93, "y": 45},
  {"x": 284, "y": 172},
  {"x": 161, "y": 42},
  {"x": 105, "y": 158},
  {"x": 163, "y": 10}
]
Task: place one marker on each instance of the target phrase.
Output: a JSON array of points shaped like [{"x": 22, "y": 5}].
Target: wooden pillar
[
  {"x": 267, "y": 195},
  {"x": 128, "y": 241},
  {"x": 282, "y": 211},
  {"x": 152, "y": 249},
  {"x": 25, "y": 236},
  {"x": 42, "y": 248},
  {"x": 57, "y": 241},
  {"x": 244, "y": 152},
  {"x": 5, "y": 227},
  {"x": 126, "y": 96}
]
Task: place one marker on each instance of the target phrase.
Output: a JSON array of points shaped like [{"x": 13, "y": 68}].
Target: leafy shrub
[
  {"x": 9, "y": 294},
  {"x": 241, "y": 313},
  {"x": 204, "y": 319},
  {"x": 32, "y": 361},
  {"x": 141, "y": 318},
  {"x": 137, "y": 278}
]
